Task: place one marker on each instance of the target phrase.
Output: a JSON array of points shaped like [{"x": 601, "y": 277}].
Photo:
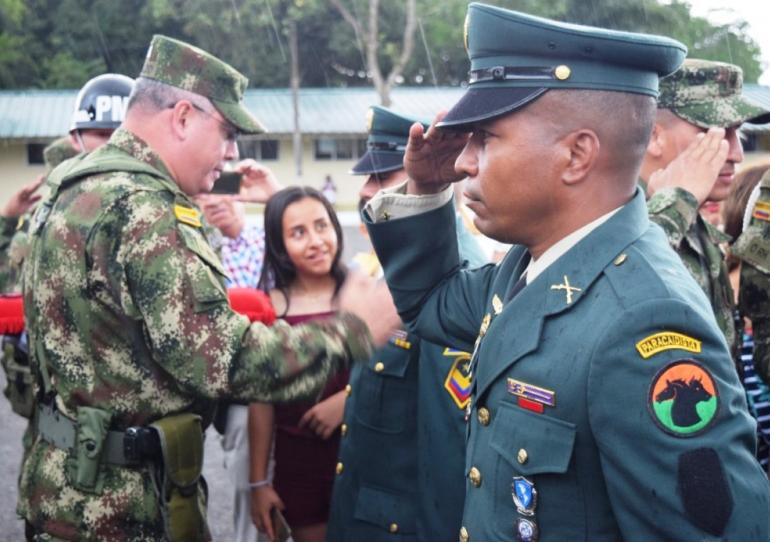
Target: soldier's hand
[
  {"x": 325, "y": 417},
  {"x": 371, "y": 301},
  {"x": 263, "y": 500},
  {"x": 23, "y": 200},
  {"x": 259, "y": 182},
  {"x": 430, "y": 157},
  {"x": 696, "y": 169}
]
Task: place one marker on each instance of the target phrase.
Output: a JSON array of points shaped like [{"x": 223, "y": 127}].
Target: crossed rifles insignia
[{"x": 568, "y": 289}]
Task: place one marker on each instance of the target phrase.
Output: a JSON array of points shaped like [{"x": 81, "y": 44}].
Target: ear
[
  {"x": 583, "y": 147},
  {"x": 75, "y": 141},
  {"x": 181, "y": 118},
  {"x": 657, "y": 141}
]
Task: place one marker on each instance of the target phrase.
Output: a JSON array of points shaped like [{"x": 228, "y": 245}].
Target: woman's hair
[
  {"x": 734, "y": 207},
  {"x": 278, "y": 271}
]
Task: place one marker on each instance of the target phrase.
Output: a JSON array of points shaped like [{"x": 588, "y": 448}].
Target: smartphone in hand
[
  {"x": 229, "y": 182},
  {"x": 281, "y": 529}
]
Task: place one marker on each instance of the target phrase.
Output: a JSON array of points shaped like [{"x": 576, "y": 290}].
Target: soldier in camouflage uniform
[
  {"x": 129, "y": 322},
  {"x": 99, "y": 110},
  {"x": 691, "y": 159},
  {"x": 753, "y": 248}
]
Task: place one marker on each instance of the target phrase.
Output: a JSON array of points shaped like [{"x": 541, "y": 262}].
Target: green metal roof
[{"x": 43, "y": 114}]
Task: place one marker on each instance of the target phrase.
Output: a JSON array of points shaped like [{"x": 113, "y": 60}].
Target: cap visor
[
  {"x": 375, "y": 161},
  {"x": 732, "y": 111},
  {"x": 481, "y": 104},
  {"x": 239, "y": 116}
]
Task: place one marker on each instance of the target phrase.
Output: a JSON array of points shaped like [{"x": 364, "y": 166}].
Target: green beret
[
  {"x": 517, "y": 57},
  {"x": 184, "y": 66},
  {"x": 388, "y": 135},
  {"x": 709, "y": 94}
]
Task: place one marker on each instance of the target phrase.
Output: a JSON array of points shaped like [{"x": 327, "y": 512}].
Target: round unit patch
[{"x": 683, "y": 398}]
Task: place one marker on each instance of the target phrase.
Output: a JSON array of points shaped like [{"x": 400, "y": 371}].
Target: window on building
[
  {"x": 35, "y": 154},
  {"x": 327, "y": 148},
  {"x": 258, "y": 149}
]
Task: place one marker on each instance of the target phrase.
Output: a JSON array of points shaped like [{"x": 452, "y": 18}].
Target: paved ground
[{"x": 220, "y": 490}]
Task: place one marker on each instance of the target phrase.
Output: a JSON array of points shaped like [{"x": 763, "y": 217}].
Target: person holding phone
[
  {"x": 303, "y": 273},
  {"x": 241, "y": 247}
]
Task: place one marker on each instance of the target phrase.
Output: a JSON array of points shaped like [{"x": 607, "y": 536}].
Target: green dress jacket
[{"x": 605, "y": 404}]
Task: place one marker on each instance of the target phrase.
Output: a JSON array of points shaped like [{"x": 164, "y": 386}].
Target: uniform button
[
  {"x": 483, "y": 415},
  {"x": 348, "y": 389},
  {"x": 340, "y": 468},
  {"x": 475, "y": 476},
  {"x": 620, "y": 259},
  {"x": 464, "y": 536},
  {"x": 379, "y": 367},
  {"x": 344, "y": 429},
  {"x": 393, "y": 528},
  {"x": 522, "y": 456}
]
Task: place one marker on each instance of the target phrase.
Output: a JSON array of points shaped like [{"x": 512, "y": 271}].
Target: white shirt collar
[{"x": 559, "y": 248}]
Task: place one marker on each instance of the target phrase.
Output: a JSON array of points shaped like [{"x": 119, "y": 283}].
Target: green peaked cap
[
  {"x": 185, "y": 66},
  {"x": 517, "y": 57},
  {"x": 388, "y": 134},
  {"x": 709, "y": 94}
]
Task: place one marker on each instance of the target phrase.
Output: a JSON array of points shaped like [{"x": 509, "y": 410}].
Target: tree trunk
[{"x": 296, "y": 134}]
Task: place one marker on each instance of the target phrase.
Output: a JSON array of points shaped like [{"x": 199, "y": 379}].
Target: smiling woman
[{"x": 303, "y": 272}]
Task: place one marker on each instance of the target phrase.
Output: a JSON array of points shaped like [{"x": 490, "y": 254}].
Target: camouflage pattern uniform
[
  {"x": 706, "y": 94},
  {"x": 127, "y": 312},
  {"x": 753, "y": 248},
  {"x": 13, "y": 230}
]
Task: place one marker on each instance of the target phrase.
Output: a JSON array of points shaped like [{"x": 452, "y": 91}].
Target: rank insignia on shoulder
[
  {"x": 458, "y": 381},
  {"x": 683, "y": 398},
  {"x": 187, "y": 215},
  {"x": 531, "y": 397},
  {"x": 497, "y": 305},
  {"x": 399, "y": 338},
  {"x": 666, "y": 340},
  {"x": 762, "y": 211},
  {"x": 524, "y": 496}
]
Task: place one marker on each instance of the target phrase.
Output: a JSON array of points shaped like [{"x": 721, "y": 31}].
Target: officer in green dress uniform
[
  {"x": 605, "y": 405},
  {"x": 402, "y": 452}
]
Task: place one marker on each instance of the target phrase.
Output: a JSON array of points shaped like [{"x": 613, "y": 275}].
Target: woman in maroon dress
[{"x": 303, "y": 245}]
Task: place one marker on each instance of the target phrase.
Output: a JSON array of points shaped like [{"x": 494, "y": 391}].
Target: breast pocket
[
  {"x": 537, "y": 449},
  {"x": 205, "y": 273},
  {"x": 387, "y": 392}
]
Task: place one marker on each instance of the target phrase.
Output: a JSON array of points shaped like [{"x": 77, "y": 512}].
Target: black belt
[{"x": 133, "y": 447}]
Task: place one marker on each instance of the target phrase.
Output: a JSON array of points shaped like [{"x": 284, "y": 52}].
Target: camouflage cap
[
  {"x": 709, "y": 94},
  {"x": 57, "y": 152},
  {"x": 184, "y": 66}
]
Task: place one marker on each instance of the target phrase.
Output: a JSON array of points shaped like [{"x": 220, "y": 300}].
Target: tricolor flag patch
[
  {"x": 458, "y": 381},
  {"x": 762, "y": 211}
]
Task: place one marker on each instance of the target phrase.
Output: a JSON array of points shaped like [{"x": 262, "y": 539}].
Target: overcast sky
[{"x": 755, "y": 12}]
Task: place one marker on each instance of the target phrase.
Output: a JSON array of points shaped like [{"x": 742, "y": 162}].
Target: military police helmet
[{"x": 101, "y": 103}]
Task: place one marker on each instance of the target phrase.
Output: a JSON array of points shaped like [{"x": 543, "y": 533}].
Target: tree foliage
[{"x": 62, "y": 43}]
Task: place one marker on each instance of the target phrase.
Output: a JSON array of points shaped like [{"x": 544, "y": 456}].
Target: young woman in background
[{"x": 303, "y": 271}]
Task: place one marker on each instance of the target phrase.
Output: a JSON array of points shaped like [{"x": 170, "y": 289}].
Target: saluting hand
[
  {"x": 697, "y": 168},
  {"x": 430, "y": 157},
  {"x": 23, "y": 200},
  {"x": 259, "y": 182}
]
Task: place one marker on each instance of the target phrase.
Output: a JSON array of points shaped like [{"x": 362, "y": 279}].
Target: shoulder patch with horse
[{"x": 683, "y": 398}]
